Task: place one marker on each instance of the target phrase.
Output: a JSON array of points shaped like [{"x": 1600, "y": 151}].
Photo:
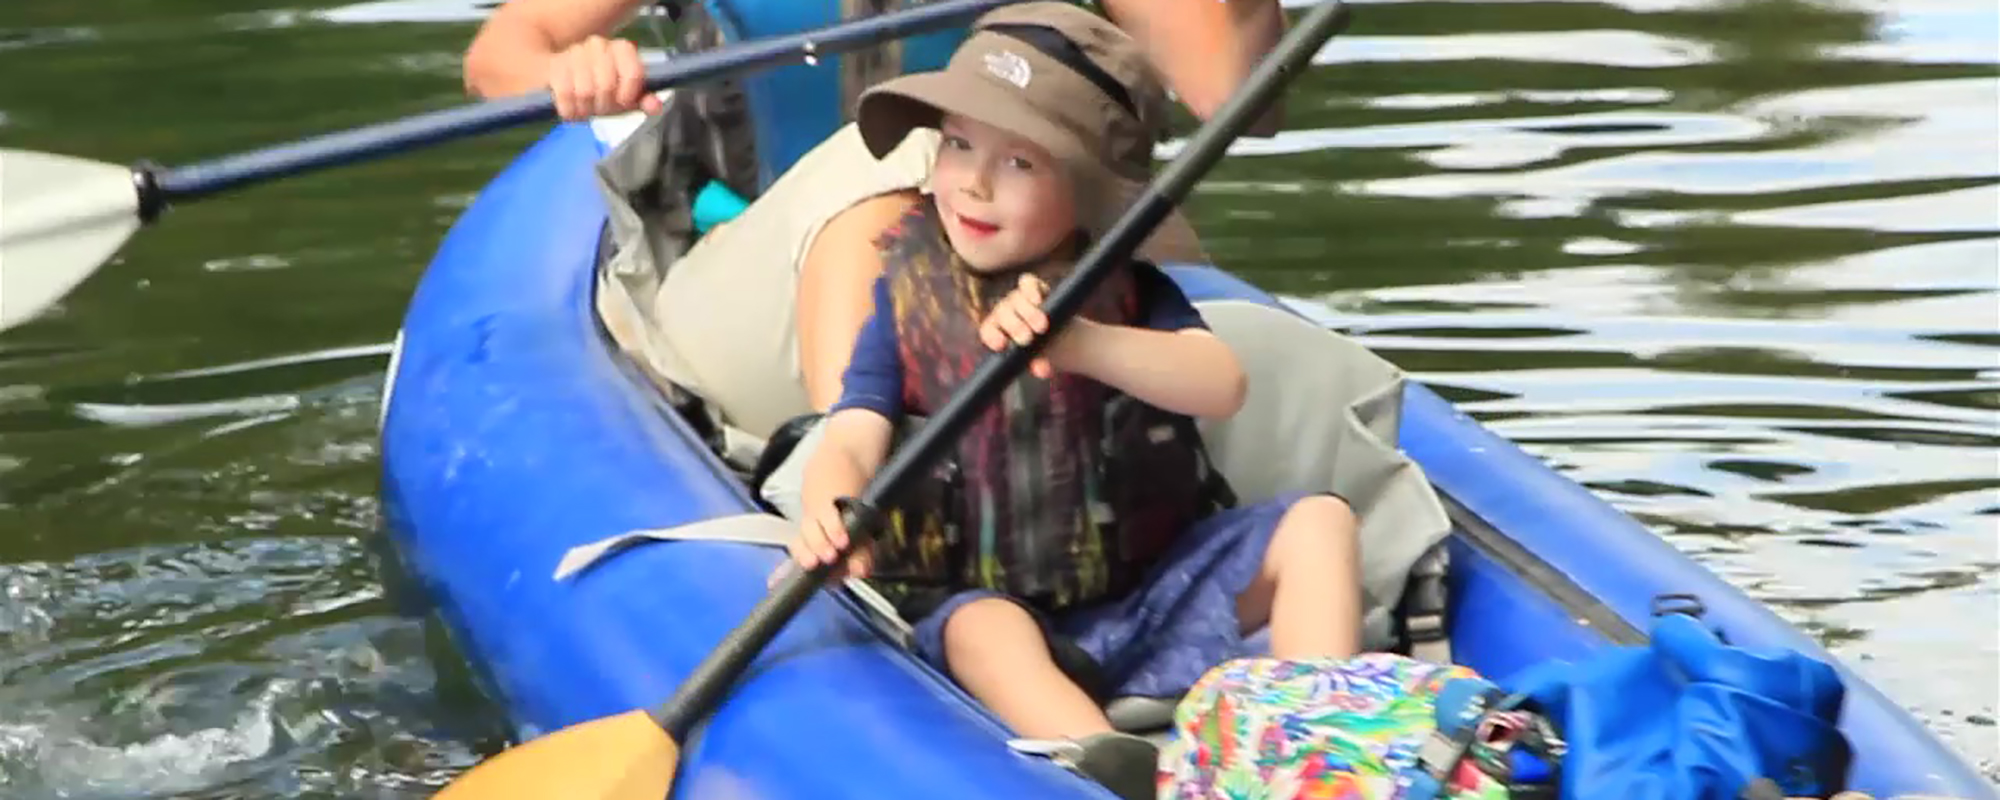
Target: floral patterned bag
[{"x": 1377, "y": 726}]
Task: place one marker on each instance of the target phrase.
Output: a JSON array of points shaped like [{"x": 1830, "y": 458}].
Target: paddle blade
[
  {"x": 60, "y": 218},
  {"x": 626, "y": 757}
]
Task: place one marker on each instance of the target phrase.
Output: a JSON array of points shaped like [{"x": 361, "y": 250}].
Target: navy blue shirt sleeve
[
  {"x": 1166, "y": 306},
  {"x": 874, "y": 376}
]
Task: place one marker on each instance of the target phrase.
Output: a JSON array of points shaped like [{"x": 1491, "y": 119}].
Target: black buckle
[
  {"x": 778, "y": 448},
  {"x": 1678, "y": 603},
  {"x": 1424, "y": 628},
  {"x": 1685, "y": 603}
]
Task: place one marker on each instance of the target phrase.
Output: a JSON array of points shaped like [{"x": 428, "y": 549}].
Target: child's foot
[{"x": 1127, "y": 765}]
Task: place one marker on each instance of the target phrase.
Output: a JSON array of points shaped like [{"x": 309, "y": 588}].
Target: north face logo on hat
[{"x": 1010, "y": 67}]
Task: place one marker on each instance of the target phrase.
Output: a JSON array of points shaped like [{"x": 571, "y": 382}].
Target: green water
[{"x": 1735, "y": 265}]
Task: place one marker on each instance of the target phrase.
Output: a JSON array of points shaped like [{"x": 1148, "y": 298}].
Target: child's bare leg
[
  {"x": 1309, "y": 588},
  {"x": 998, "y": 653}
]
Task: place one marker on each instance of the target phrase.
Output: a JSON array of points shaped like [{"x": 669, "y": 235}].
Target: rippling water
[{"x": 1735, "y": 265}]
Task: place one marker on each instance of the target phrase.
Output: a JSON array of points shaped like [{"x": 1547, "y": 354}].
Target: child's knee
[
  {"x": 1325, "y": 508},
  {"x": 1315, "y": 524},
  {"x": 1321, "y": 512},
  {"x": 986, "y": 626}
]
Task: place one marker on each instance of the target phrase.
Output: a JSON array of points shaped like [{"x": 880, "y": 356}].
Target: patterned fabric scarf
[{"x": 1065, "y": 490}]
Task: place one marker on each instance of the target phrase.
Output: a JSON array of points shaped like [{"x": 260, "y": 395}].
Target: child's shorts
[{"x": 1177, "y": 624}]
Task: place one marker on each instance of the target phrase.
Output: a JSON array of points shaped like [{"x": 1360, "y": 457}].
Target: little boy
[{"x": 1077, "y": 546}]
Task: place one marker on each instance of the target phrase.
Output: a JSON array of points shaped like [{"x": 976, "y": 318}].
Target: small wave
[
  {"x": 409, "y": 11},
  {"x": 24, "y": 617},
  {"x": 141, "y": 416},
  {"x": 53, "y": 756},
  {"x": 1611, "y": 48},
  {"x": 23, "y": 39}
]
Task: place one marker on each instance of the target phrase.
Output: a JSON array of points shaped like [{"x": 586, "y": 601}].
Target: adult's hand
[
  {"x": 526, "y": 45},
  {"x": 599, "y": 76}
]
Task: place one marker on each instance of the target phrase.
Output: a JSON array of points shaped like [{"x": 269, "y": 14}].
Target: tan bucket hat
[{"x": 1063, "y": 78}]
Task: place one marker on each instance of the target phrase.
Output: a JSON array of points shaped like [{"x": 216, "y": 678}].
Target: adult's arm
[
  {"x": 1204, "y": 49},
  {"x": 836, "y": 285},
  {"x": 512, "y": 51}
]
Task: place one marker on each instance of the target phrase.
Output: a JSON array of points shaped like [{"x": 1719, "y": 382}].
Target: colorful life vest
[{"x": 1065, "y": 490}]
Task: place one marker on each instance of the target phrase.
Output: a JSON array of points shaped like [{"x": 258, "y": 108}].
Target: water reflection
[
  {"x": 380, "y": 11},
  {"x": 1627, "y": 49}
]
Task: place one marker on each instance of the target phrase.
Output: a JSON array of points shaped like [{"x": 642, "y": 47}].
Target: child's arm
[
  {"x": 857, "y": 433},
  {"x": 1186, "y": 370},
  {"x": 855, "y": 442}
]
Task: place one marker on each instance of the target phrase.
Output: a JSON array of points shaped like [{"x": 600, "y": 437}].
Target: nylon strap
[{"x": 1423, "y": 608}]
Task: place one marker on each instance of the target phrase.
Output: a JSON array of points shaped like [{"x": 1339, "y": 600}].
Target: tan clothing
[{"x": 724, "y": 317}]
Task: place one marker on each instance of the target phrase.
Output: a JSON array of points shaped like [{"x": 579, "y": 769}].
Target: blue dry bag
[{"x": 1690, "y": 717}]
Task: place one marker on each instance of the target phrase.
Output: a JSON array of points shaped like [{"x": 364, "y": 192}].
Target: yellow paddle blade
[{"x": 625, "y": 757}]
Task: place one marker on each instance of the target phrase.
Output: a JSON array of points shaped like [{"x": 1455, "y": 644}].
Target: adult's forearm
[
  {"x": 507, "y": 59},
  {"x": 1263, "y": 22},
  {"x": 836, "y": 291},
  {"x": 1204, "y": 49},
  {"x": 511, "y": 52}
]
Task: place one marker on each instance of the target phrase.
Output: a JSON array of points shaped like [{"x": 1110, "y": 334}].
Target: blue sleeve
[
  {"x": 1166, "y": 306},
  {"x": 874, "y": 376}
]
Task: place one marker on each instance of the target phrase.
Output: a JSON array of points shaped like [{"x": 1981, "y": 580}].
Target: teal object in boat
[{"x": 716, "y": 204}]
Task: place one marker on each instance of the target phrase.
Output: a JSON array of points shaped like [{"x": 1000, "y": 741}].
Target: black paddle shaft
[
  {"x": 706, "y": 685},
  {"x": 158, "y": 188}
]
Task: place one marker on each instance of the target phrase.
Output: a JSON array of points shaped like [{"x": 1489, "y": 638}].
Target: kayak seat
[{"x": 1323, "y": 413}]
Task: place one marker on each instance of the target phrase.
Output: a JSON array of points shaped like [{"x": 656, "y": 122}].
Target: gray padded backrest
[{"x": 1322, "y": 413}]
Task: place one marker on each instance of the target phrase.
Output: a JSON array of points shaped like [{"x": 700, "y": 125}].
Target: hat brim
[{"x": 887, "y": 112}]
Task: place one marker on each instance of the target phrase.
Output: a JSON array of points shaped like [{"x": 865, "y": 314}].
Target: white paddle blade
[{"x": 60, "y": 218}]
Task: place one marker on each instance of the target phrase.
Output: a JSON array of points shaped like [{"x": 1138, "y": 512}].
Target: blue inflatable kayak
[{"x": 514, "y": 430}]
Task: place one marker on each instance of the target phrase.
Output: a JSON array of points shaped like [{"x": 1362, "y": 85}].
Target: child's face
[{"x": 1004, "y": 199}]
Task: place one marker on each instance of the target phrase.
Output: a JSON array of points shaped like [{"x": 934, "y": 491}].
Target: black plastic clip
[
  {"x": 1678, "y": 603},
  {"x": 146, "y": 183},
  {"x": 1685, "y": 603}
]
